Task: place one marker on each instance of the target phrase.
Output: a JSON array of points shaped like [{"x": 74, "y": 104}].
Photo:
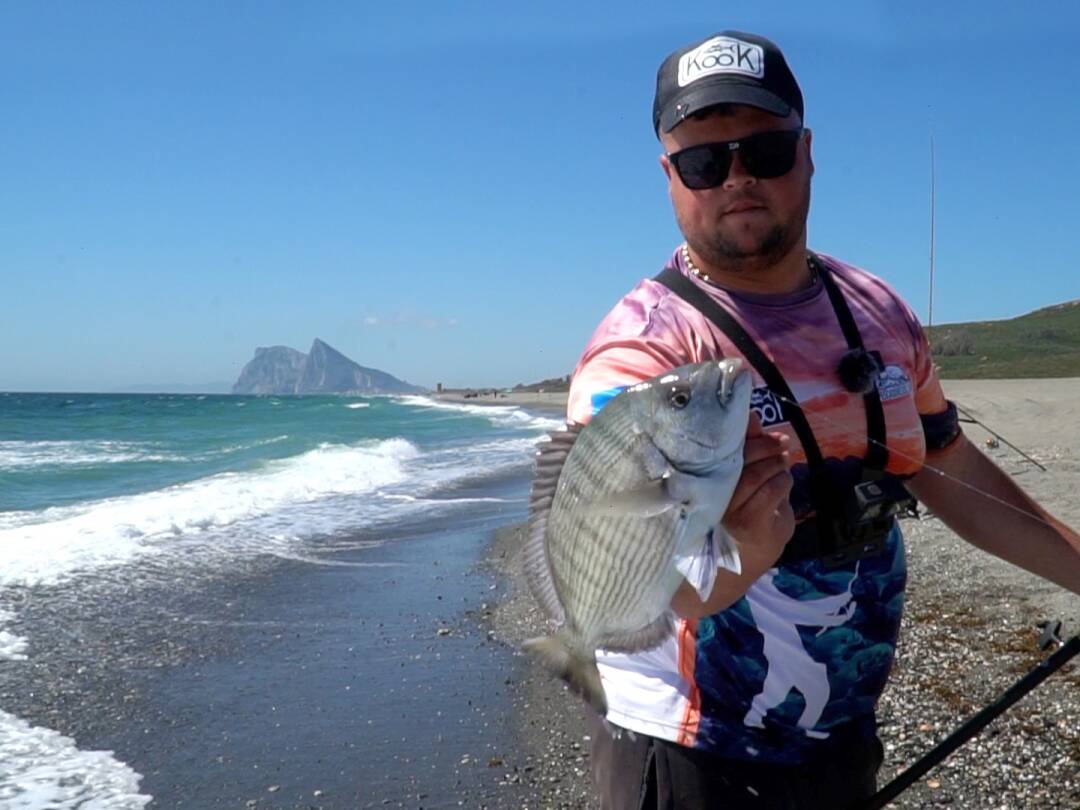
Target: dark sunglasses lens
[
  {"x": 769, "y": 154},
  {"x": 703, "y": 166}
]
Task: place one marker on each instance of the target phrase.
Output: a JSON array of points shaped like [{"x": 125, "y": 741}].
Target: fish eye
[{"x": 679, "y": 397}]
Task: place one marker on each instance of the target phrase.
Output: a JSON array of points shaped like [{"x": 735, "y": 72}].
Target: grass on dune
[{"x": 1043, "y": 343}]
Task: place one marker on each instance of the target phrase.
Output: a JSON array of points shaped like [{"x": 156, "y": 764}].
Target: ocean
[{"x": 106, "y": 498}]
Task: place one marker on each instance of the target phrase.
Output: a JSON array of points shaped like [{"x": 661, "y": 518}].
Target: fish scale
[
  {"x": 620, "y": 507},
  {"x": 600, "y": 551}
]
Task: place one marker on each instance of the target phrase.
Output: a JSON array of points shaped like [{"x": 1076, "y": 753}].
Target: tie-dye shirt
[{"x": 798, "y": 663}]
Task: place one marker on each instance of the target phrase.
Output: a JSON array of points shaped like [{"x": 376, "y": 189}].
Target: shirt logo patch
[
  {"x": 767, "y": 406},
  {"x": 721, "y": 55},
  {"x": 893, "y": 383}
]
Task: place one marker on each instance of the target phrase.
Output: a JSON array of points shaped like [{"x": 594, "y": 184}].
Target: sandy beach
[{"x": 546, "y": 401}]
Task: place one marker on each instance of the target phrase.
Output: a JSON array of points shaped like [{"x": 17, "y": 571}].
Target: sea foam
[
  {"x": 44, "y": 546},
  {"x": 12, "y": 647},
  {"x": 15, "y": 455},
  {"x": 506, "y": 415},
  {"x": 42, "y": 768},
  {"x": 23, "y": 455}
]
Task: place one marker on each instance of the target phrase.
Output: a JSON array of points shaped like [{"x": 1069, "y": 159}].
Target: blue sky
[{"x": 457, "y": 192}]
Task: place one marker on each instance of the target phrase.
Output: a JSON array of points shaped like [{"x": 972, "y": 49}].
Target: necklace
[
  {"x": 693, "y": 268},
  {"x": 694, "y": 271}
]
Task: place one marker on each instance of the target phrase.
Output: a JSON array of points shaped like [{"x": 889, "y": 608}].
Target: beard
[{"x": 734, "y": 255}]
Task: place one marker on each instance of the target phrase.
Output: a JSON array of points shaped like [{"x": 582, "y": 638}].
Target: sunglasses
[{"x": 765, "y": 155}]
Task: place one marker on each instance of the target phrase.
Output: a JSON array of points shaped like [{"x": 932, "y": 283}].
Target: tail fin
[{"x": 579, "y": 672}]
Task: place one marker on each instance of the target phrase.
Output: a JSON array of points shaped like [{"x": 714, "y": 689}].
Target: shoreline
[
  {"x": 548, "y": 722},
  {"x": 548, "y": 402},
  {"x": 348, "y": 677}
]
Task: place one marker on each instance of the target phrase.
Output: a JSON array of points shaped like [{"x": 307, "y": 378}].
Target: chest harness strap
[{"x": 824, "y": 536}]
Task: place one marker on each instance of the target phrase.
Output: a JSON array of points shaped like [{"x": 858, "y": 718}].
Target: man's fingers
[
  {"x": 763, "y": 446},
  {"x": 769, "y": 498},
  {"x": 754, "y": 476},
  {"x": 770, "y": 495}
]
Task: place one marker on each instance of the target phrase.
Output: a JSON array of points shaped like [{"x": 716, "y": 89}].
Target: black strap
[
  {"x": 692, "y": 294},
  {"x": 877, "y": 451},
  {"x": 825, "y": 500}
]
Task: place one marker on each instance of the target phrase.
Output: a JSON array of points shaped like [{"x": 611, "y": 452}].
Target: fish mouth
[
  {"x": 712, "y": 448},
  {"x": 731, "y": 370},
  {"x": 713, "y": 463},
  {"x": 701, "y": 444}
]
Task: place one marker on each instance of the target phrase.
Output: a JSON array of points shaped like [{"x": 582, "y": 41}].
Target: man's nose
[{"x": 737, "y": 176}]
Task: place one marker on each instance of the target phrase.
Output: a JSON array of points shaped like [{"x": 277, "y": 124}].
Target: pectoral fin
[
  {"x": 716, "y": 551},
  {"x": 727, "y": 553}
]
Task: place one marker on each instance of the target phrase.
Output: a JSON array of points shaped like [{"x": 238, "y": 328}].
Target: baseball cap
[{"x": 731, "y": 67}]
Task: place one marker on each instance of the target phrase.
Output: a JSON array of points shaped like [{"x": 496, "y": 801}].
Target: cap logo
[{"x": 721, "y": 55}]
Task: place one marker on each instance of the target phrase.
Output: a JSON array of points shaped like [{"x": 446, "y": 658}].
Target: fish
[{"x": 626, "y": 507}]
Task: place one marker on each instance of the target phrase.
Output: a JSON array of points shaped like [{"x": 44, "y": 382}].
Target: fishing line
[{"x": 922, "y": 463}]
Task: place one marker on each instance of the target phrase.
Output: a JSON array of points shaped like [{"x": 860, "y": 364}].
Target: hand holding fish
[
  {"x": 759, "y": 514},
  {"x": 758, "y": 517}
]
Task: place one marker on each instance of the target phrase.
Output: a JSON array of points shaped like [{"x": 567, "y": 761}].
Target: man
[{"x": 765, "y": 694}]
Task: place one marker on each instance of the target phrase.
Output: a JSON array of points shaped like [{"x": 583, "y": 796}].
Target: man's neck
[{"x": 790, "y": 274}]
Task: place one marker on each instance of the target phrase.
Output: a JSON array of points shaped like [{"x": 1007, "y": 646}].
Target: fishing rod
[
  {"x": 973, "y": 421},
  {"x": 924, "y": 464},
  {"x": 977, "y": 722}
]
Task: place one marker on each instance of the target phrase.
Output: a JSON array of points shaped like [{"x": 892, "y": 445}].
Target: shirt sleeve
[
  {"x": 639, "y": 339},
  {"x": 940, "y": 421},
  {"x": 608, "y": 368}
]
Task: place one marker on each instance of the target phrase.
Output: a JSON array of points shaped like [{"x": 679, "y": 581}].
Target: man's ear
[
  {"x": 665, "y": 164},
  {"x": 809, "y": 152}
]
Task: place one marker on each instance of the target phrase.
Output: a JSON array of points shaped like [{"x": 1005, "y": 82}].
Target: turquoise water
[{"x": 95, "y": 479}]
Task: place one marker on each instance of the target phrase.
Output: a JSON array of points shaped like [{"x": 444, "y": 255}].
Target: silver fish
[{"x": 625, "y": 508}]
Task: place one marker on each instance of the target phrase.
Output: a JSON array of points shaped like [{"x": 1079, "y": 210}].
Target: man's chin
[
  {"x": 747, "y": 252},
  {"x": 741, "y": 258}
]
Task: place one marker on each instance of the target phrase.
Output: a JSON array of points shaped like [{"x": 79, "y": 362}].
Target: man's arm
[{"x": 1018, "y": 530}]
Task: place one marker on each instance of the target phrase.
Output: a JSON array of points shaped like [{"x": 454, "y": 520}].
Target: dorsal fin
[{"x": 550, "y": 458}]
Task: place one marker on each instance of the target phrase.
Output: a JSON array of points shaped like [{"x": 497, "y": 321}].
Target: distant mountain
[
  {"x": 323, "y": 370},
  {"x": 1043, "y": 343},
  {"x": 273, "y": 370}
]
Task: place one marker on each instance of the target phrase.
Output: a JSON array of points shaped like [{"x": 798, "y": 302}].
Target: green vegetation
[
  {"x": 558, "y": 384},
  {"x": 1044, "y": 343}
]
